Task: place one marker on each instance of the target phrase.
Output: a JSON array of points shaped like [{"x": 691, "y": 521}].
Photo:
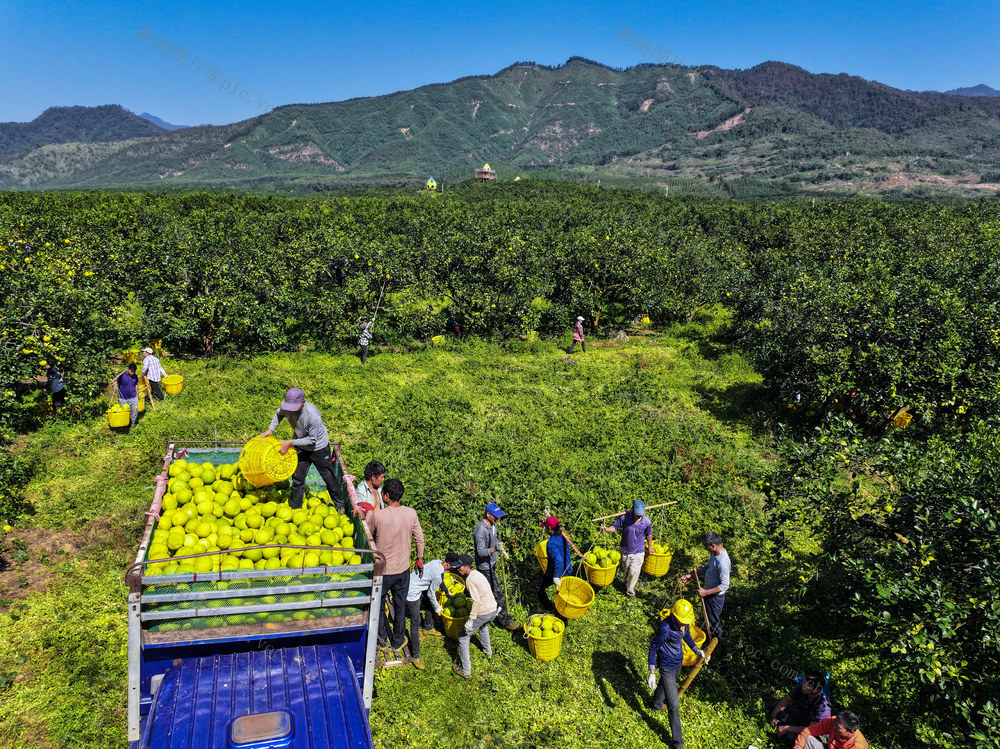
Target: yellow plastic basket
[
  {"x": 574, "y": 597},
  {"x": 453, "y": 625},
  {"x": 119, "y": 418},
  {"x": 449, "y": 577},
  {"x": 173, "y": 384},
  {"x": 698, "y": 635},
  {"x": 657, "y": 564},
  {"x": 437, "y": 340},
  {"x": 542, "y": 555},
  {"x": 142, "y": 403},
  {"x": 262, "y": 463},
  {"x": 532, "y": 336},
  {"x": 600, "y": 575},
  {"x": 543, "y": 648}
]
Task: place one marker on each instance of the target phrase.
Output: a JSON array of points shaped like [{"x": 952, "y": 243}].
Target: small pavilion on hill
[{"x": 486, "y": 174}]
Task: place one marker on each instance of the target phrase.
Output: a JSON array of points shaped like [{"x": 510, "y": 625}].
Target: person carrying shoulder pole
[
  {"x": 715, "y": 575},
  {"x": 153, "y": 371},
  {"x": 666, "y": 652},
  {"x": 559, "y": 563},
  {"x": 312, "y": 443},
  {"x": 637, "y": 535},
  {"x": 487, "y": 544}
]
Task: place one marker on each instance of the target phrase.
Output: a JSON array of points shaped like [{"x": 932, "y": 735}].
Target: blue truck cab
[{"x": 251, "y": 659}]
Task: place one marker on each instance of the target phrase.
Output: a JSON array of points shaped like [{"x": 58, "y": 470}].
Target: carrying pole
[
  {"x": 619, "y": 514},
  {"x": 704, "y": 609},
  {"x": 697, "y": 668}
]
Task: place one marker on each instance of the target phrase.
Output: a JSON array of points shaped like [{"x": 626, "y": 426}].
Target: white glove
[
  {"x": 500, "y": 546},
  {"x": 557, "y": 581},
  {"x": 651, "y": 681},
  {"x": 439, "y": 610},
  {"x": 468, "y": 626},
  {"x": 706, "y": 658}
]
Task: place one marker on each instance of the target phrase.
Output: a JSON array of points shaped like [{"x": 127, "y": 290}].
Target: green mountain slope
[
  {"x": 75, "y": 124},
  {"x": 774, "y": 121}
]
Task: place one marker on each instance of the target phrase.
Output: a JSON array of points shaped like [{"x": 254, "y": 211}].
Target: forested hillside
[{"x": 774, "y": 122}]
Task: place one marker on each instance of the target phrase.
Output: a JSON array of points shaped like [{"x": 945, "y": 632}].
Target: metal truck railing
[{"x": 193, "y": 614}]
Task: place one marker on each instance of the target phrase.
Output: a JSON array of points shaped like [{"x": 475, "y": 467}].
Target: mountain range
[{"x": 651, "y": 125}]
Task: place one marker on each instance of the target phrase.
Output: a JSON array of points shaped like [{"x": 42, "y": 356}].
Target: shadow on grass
[{"x": 615, "y": 674}]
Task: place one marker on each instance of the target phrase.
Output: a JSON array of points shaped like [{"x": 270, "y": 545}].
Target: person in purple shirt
[
  {"x": 127, "y": 395},
  {"x": 637, "y": 534},
  {"x": 806, "y": 704},
  {"x": 666, "y": 651}
]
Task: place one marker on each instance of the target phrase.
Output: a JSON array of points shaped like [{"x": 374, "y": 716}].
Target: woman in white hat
[
  {"x": 578, "y": 335},
  {"x": 153, "y": 371}
]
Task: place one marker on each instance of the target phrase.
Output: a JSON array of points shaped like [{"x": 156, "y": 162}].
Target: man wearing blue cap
[
  {"x": 311, "y": 442},
  {"x": 487, "y": 545},
  {"x": 637, "y": 535}
]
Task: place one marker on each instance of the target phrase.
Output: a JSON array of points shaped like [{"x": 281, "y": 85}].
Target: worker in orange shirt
[{"x": 841, "y": 731}]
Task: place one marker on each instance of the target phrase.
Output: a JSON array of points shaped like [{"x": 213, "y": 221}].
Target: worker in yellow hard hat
[{"x": 666, "y": 651}]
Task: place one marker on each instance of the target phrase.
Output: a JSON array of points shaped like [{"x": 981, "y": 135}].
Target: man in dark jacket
[{"x": 666, "y": 651}]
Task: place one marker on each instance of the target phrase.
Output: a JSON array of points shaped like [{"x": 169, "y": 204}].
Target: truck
[{"x": 252, "y": 658}]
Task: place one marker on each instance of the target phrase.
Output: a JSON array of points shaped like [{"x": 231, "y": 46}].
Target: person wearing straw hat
[
  {"x": 637, "y": 536},
  {"x": 578, "y": 335},
  {"x": 559, "y": 562},
  {"x": 484, "y": 610},
  {"x": 666, "y": 653},
  {"x": 127, "y": 381},
  {"x": 487, "y": 544},
  {"x": 312, "y": 443},
  {"x": 715, "y": 579},
  {"x": 153, "y": 371}
]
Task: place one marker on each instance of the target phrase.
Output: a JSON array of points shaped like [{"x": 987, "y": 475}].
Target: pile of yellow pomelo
[
  {"x": 542, "y": 627},
  {"x": 210, "y": 509},
  {"x": 659, "y": 548},
  {"x": 600, "y": 557},
  {"x": 458, "y": 605}
]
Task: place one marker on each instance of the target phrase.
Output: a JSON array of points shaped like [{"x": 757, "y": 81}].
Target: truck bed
[{"x": 311, "y": 691}]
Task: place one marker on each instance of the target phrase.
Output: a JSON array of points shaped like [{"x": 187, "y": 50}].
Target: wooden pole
[
  {"x": 696, "y": 669},
  {"x": 566, "y": 536},
  {"x": 652, "y": 507},
  {"x": 704, "y": 609},
  {"x": 148, "y": 390}
]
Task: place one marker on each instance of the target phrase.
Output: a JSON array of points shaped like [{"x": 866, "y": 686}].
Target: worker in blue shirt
[
  {"x": 560, "y": 564},
  {"x": 666, "y": 651}
]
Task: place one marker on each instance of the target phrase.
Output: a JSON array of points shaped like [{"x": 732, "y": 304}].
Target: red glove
[{"x": 419, "y": 567}]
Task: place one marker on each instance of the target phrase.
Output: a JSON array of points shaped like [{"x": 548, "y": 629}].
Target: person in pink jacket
[{"x": 578, "y": 336}]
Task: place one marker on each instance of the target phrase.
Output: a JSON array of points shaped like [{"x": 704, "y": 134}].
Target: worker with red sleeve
[{"x": 842, "y": 733}]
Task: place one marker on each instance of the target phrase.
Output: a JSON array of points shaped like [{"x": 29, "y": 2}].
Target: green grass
[{"x": 668, "y": 418}]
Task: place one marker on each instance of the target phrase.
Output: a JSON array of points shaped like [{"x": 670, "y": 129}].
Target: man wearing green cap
[{"x": 637, "y": 535}]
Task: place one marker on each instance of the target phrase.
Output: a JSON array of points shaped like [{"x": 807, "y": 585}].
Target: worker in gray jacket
[
  {"x": 311, "y": 442},
  {"x": 487, "y": 545}
]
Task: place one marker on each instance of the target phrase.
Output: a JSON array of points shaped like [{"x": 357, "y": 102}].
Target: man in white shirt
[
  {"x": 153, "y": 371},
  {"x": 369, "y": 492}
]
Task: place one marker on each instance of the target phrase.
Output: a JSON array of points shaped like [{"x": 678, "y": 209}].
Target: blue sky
[{"x": 295, "y": 51}]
